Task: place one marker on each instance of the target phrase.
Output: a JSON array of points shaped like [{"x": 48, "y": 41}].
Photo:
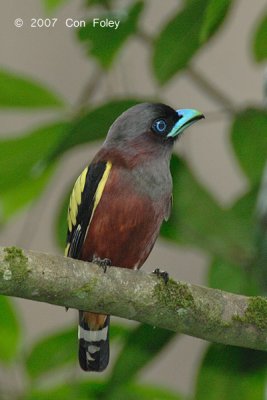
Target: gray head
[{"x": 149, "y": 127}]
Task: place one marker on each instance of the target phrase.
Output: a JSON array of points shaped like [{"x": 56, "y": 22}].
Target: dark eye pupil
[{"x": 160, "y": 125}]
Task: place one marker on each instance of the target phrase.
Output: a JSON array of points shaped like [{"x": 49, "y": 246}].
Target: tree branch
[
  {"x": 198, "y": 311},
  {"x": 213, "y": 91}
]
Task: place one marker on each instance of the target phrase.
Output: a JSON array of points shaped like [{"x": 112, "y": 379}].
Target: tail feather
[{"x": 93, "y": 345}]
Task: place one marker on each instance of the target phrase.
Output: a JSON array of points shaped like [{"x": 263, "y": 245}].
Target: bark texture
[{"x": 198, "y": 311}]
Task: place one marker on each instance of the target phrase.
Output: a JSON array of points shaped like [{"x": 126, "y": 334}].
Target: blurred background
[{"x": 60, "y": 89}]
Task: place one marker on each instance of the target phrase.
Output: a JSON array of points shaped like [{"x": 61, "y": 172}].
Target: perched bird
[{"x": 119, "y": 202}]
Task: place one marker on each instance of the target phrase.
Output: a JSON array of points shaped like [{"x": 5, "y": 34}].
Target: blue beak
[{"x": 187, "y": 117}]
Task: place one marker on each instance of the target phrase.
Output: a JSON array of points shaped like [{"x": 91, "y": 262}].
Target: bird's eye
[{"x": 159, "y": 126}]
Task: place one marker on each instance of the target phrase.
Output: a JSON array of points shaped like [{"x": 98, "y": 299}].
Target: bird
[{"x": 119, "y": 202}]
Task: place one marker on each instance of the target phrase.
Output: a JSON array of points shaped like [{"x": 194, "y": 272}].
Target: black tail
[{"x": 93, "y": 346}]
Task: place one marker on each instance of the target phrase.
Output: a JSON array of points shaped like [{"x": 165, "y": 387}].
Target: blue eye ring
[{"x": 159, "y": 126}]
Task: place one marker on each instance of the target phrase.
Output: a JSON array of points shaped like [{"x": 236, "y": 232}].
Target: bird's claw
[
  {"x": 161, "y": 274},
  {"x": 102, "y": 263}
]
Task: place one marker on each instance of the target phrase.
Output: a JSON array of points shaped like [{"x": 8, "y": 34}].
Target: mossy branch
[{"x": 198, "y": 311}]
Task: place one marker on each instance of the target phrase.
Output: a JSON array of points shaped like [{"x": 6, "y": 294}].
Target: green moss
[
  {"x": 178, "y": 297},
  {"x": 255, "y": 314},
  {"x": 17, "y": 263},
  {"x": 210, "y": 315},
  {"x": 87, "y": 289},
  {"x": 175, "y": 295}
]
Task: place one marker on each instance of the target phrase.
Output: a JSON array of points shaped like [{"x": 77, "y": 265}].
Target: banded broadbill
[{"x": 119, "y": 202}]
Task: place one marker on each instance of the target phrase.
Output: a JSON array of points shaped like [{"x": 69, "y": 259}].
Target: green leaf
[
  {"x": 244, "y": 210},
  {"x": 145, "y": 392},
  {"x": 104, "y": 43},
  {"x": 215, "y": 13},
  {"x": 106, "y": 3},
  {"x": 230, "y": 276},
  {"x": 119, "y": 332},
  {"x": 70, "y": 391},
  {"x": 25, "y": 165},
  {"x": 249, "y": 139},
  {"x": 18, "y": 196},
  {"x": 61, "y": 222},
  {"x": 198, "y": 220},
  {"x": 230, "y": 373},
  {"x": 51, "y": 5},
  {"x": 20, "y": 92},
  {"x": 185, "y": 34},
  {"x": 179, "y": 40},
  {"x": 94, "y": 124},
  {"x": 52, "y": 352},
  {"x": 26, "y": 156},
  {"x": 98, "y": 390},
  {"x": 259, "y": 40},
  {"x": 226, "y": 276},
  {"x": 9, "y": 331},
  {"x": 242, "y": 215},
  {"x": 233, "y": 278},
  {"x": 143, "y": 344}
]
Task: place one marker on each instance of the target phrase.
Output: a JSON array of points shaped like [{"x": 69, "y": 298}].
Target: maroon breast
[{"x": 125, "y": 224}]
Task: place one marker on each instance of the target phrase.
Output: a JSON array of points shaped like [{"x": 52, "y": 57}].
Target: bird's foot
[
  {"x": 161, "y": 274},
  {"x": 103, "y": 263}
]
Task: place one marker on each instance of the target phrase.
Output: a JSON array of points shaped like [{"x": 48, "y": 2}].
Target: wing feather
[{"x": 84, "y": 198}]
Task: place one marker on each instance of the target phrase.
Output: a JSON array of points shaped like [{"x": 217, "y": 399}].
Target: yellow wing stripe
[
  {"x": 100, "y": 188},
  {"x": 76, "y": 198},
  {"x": 66, "y": 252},
  {"x": 82, "y": 182},
  {"x": 73, "y": 208}
]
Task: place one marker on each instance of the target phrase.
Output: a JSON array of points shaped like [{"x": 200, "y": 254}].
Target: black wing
[{"x": 81, "y": 206}]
